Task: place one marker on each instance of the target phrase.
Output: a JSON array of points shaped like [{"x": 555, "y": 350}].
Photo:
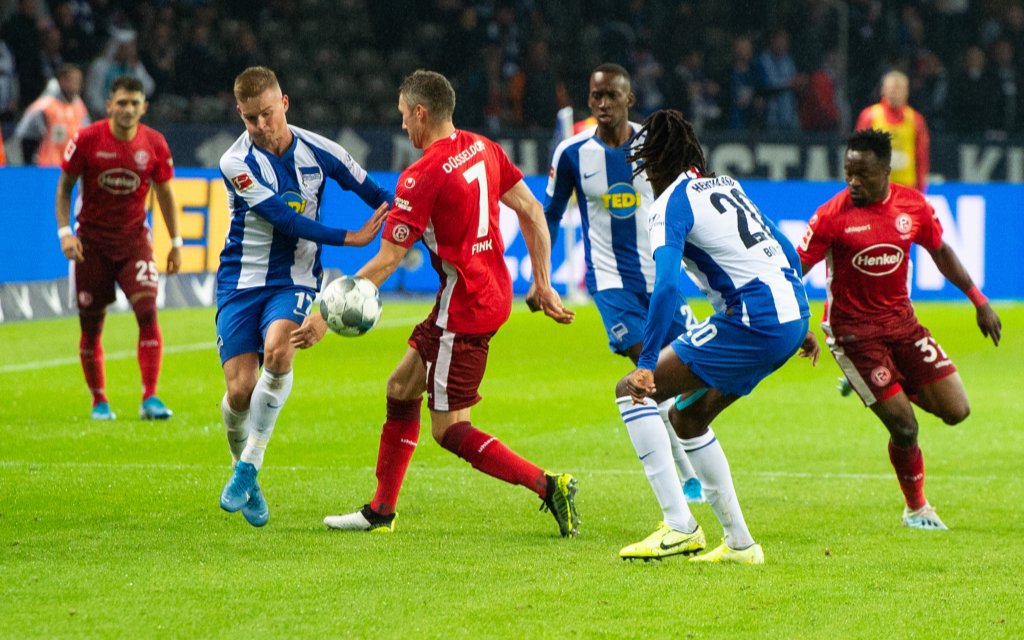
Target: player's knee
[
  {"x": 145, "y": 310},
  {"x": 621, "y": 390},
  {"x": 957, "y": 413},
  {"x": 903, "y": 432},
  {"x": 690, "y": 423}
]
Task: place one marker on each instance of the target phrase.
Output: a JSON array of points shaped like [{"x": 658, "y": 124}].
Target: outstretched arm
[
  {"x": 951, "y": 267},
  {"x": 533, "y": 226}
]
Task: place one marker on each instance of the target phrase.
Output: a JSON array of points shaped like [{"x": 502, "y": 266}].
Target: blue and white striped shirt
[
  {"x": 732, "y": 252},
  {"x": 613, "y": 209},
  {"x": 275, "y": 234}
]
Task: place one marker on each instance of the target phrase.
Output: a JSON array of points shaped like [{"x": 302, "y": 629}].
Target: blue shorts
[
  {"x": 732, "y": 357},
  {"x": 244, "y": 316},
  {"x": 624, "y": 314}
]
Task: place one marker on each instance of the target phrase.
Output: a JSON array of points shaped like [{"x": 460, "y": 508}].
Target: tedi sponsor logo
[{"x": 878, "y": 260}]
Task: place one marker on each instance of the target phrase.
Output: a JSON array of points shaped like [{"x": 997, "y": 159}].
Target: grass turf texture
[{"x": 113, "y": 529}]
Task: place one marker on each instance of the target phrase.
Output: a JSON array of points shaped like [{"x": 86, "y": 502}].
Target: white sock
[
  {"x": 235, "y": 427},
  {"x": 651, "y": 441},
  {"x": 712, "y": 468},
  {"x": 268, "y": 397},
  {"x": 678, "y": 453}
]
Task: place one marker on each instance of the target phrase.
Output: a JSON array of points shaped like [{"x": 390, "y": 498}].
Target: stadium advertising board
[{"x": 981, "y": 223}]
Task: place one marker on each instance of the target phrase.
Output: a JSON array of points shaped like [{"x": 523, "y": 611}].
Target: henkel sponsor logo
[
  {"x": 119, "y": 181},
  {"x": 878, "y": 260},
  {"x": 464, "y": 156}
]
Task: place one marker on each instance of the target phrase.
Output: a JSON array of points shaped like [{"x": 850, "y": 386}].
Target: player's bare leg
[
  {"x": 268, "y": 396},
  {"x": 945, "y": 398},
  {"x": 897, "y": 414}
]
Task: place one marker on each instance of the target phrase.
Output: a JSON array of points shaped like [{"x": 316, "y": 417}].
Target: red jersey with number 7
[
  {"x": 866, "y": 250},
  {"x": 450, "y": 199},
  {"x": 115, "y": 177}
]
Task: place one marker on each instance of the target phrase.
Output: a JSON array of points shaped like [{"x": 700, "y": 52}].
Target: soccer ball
[{"x": 350, "y": 305}]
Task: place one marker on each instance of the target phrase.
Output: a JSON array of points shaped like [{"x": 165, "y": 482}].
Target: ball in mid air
[{"x": 350, "y": 305}]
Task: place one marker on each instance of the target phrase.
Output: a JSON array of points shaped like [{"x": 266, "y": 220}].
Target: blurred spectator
[
  {"x": 931, "y": 88},
  {"x": 819, "y": 104},
  {"x": 867, "y": 45},
  {"x": 21, "y": 33},
  {"x": 543, "y": 91},
  {"x": 911, "y": 144},
  {"x": 203, "y": 72},
  {"x": 50, "y": 51},
  {"x": 465, "y": 66},
  {"x": 53, "y": 119},
  {"x": 647, "y": 76},
  {"x": 3, "y": 152},
  {"x": 120, "y": 58},
  {"x": 244, "y": 51},
  {"x": 971, "y": 92},
  {"x": 688, "y": 89},
  {"x": 778, "y": 82},
  {"x": 77, "y": 40},
  {"x": 1006, "y": 107},
  {"x": 160, "y": 56},
  {"x": 816, "y": 22},
  {"x": 8, "y": 83},
  {"x": 744, "y": 106}
]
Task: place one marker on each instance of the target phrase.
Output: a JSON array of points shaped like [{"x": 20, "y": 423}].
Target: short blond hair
[{"x": 253, "y": 82}]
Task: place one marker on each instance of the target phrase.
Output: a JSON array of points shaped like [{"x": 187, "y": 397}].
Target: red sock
[
  {"x": 488, "y": 454},
  {"x": 90, "y": 352},
  {"x": 151, "y": 344},
  {"x": 397, "y": 444},
  {"x": 909, "y": 466}
]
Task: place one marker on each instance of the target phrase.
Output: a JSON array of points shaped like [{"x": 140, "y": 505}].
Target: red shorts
[
  {"x": 455, "y": 364},
  {"x": 134, "y": 271},
  {"x": 880, "y": 367}
]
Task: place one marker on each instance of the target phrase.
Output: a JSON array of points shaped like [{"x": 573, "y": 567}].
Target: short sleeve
[
  {"x": 929, "y": 232},
  {"x": 415, "y": 196},
  {"x": 816, "y": 240},
  {"x": 73, "y": 162},
  {"x": 510, "y": 173},
  {"x": 163, "y": 168}
]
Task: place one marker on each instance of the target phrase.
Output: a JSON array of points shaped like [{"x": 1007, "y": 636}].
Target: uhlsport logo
[
  {"x": 878, "y": 259},
  {"x": 621, "y": 200},
  {"x": 119, "y": 181},
  {"x": 295, "y": 201}
]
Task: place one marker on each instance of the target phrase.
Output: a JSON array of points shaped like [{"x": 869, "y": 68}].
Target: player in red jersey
[
  {"x": 117, "y": 160},
  {"x": 865, "y": 233},
  {"x": 449, "y": 199}
]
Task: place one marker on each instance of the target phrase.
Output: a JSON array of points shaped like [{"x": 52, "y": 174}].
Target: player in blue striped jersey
[
  {"x": 751, "y": 275},
  {"x": 614, "y": 203},
  {"x": 270, "y": 270}
]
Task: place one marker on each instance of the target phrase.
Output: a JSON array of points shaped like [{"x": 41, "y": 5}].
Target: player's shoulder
[
  {"x": 319, "y": 142},
  {"x": 910, "y": 199},
  {"x": 836, "y": 205},
  {"x": 575, "y": 141},
  {"x": 236, "y": 154},
  {"x": 94, "y": 130}
]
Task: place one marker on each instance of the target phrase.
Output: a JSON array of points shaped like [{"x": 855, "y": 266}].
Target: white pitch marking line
[
  {"x": 181, "y": 348},
  {"x": 173, "y": 466}
]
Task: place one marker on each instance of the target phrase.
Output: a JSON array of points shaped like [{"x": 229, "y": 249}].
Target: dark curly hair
[
  {"x": 873, "y": 140},
  {"x": 666, "y": 146}
]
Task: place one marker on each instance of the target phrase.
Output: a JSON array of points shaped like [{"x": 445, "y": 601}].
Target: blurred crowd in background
[{"x": 755, "y": 65}]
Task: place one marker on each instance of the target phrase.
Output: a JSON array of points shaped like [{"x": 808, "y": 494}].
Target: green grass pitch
[{"x": 112, "y": 530}]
